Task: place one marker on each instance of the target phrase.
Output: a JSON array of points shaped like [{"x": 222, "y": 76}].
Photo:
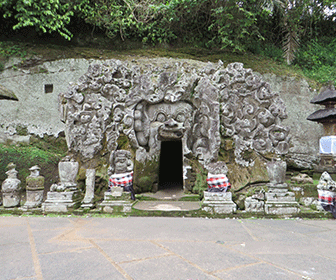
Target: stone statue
[
  {"x": 327, "y": 193},
  {"x": 34, "y": 189},
  {"x": 11, "y": 188},
  {"x": 67, "y": 171},
  {"x": 121, "y": 171},
  {"x": 63, "y": 195}
]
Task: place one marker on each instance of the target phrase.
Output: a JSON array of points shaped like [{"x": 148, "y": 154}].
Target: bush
[{"x": 317, "y": 59}]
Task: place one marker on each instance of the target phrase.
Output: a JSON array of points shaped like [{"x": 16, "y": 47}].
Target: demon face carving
[{"x": 162, "y": 122}]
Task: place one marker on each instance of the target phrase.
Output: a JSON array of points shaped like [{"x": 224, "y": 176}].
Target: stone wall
[
  {"x": 305, "y": 134},
  {"x": 37, "y": 88}
]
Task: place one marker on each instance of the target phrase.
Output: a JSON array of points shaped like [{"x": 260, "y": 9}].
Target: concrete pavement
[{"x": 36, "y": 248}]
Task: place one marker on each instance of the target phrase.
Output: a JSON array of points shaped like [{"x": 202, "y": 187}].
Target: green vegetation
[
  {"x": 272, "y": 28},
  {"x": 252, "y": 32},
  {"x": 26, "y": 157},
  {"x": 8, "y": 49}
]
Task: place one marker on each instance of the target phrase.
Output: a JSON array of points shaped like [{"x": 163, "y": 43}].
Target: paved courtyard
[{"x": 35, "y": 248}]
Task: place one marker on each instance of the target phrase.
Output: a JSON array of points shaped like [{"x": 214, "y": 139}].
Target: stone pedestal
[
  {"x": 279, "y": 201},
  {"x": 117, "y": 200},
  {"x": 218, "y": 203},
  {"x": 60, "y": 201},
  {"x": 11, "y": 199},
  {"x": 87, "y": 202}
]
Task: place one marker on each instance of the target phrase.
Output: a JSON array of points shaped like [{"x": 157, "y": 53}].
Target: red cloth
[
  {"x": 218, "y": 181},
  {"x": 326, "y": 197},
  {"x": 124, "y": 180}
]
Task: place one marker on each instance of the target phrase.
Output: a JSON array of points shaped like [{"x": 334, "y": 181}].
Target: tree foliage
[{"x": 237, "y": 25}]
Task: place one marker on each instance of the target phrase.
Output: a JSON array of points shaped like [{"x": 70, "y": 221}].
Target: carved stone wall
[{"x": 151, "y": 104}]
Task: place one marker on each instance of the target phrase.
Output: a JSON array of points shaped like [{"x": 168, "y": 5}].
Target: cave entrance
[{"x": 171, "y": 165}]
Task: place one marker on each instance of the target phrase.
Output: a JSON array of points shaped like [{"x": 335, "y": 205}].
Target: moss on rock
[
  {"x": 145, "y": 175},
  {"x": 241, "y": 176}
]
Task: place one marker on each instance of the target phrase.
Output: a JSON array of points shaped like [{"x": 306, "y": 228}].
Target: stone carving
[
  {"x": 67, "y": 171},
  {"x": 149, "y": 104},
  {"x": 121, "y": 172},
  {"x": 120, "y": 190},
  {"x": 302, "y": 179},
  {"x": 11, "y": 188},
  {"x": 250, "y": 112},
  {"x": 327, "y": 193},
  {"x": 255, "y": 203},
  {"x": 34, "y": 189},
  {"x": 87, "y": 202},
  {"x": 279, "y": 200},
  {"x": 64, "y": 194}
]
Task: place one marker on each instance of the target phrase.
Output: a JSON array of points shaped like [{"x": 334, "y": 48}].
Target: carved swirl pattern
[{"x": 195, "y": 105}]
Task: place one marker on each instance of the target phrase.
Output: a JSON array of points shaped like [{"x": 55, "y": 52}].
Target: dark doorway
[{"x": 171, "y": 166}]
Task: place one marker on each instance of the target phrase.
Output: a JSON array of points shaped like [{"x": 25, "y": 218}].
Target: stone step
[{"x": 166, "y": 205}]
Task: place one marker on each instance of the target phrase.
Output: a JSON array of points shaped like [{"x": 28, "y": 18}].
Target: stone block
[
  {"x": 218, "y": 203},
  {"x": 282, "y": 208},
  {"x": 113, "y": 201},
  {"x": 254, "y": 205},
  {"x": 281, "y": 203},
  {"x": 60, "y": 201}
]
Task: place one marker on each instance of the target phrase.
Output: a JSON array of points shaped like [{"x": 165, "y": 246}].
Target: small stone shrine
[
  {"x": 34, "y": 188},
  {"x": 11, "y": 188},
  {"x": 216, "y": 199},
  {"x": 64, "y": 194},
  {"x": 279, "y": 200},
  {"x": 327, "y": 193},
  {"x": 120, "y": 193},
  {"x": 327, "y": 117}
]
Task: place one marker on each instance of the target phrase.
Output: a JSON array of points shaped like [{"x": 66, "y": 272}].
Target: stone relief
[{"x": 150, "y": 104}]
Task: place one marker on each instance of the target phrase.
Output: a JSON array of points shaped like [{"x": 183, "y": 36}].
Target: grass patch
[{"x": 27, "y": 156}]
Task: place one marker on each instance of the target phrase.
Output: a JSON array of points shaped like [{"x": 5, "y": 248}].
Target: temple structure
[
  {"x": 327, "y": 117},
  {"x": 173, "y": 119}
]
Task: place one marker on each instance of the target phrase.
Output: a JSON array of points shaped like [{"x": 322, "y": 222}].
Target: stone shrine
[
  {"x": 327, "y": 117},
  {"x": 216, "y": 199},
  {"x": 34, "y": 188},
  {"x": 11, "y": 188},
  {"x": 327, "y": 193},
  {"x": 171, "y": 113},
  {"x": 120, "y": 192},
  {"x": 64, "y": 194},
  {"x": 279, "y": 200}
]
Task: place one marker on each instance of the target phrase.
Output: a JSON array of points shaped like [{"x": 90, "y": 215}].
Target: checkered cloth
[
  {"x": 124, "y": 180},
  {"x": 218, "y": 182},
  {"x": 326, "y": 197}
]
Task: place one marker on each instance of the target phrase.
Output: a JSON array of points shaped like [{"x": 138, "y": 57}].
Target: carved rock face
[
  {"x": 149, "y": 104},
  {"x": 162, "y": 121}
]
